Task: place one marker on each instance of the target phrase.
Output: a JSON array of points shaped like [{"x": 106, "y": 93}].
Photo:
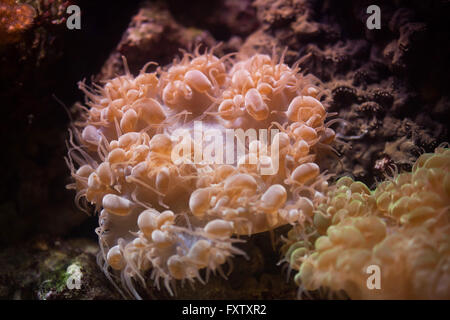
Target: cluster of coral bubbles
[
  {"x": 164, "y": 218},
  {"x": 400, "y": 230}
]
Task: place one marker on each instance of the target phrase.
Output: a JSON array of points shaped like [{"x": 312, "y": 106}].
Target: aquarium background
[{"x": 391, "y": 85}]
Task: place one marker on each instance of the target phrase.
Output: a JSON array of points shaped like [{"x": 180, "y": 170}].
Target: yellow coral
[
  {"x": 168, "y": 219},
  {"x": 402, "y": 226}
]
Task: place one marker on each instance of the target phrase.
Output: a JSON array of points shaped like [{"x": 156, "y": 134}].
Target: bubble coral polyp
[
  {"x": 166, "y": 220},
  {"x": 403, "y": 227}
]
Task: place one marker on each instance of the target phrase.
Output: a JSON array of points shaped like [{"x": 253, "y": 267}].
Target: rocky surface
[
  {"x": 45, "y": 269},
  {"x": 389, "y": 87},
  {"x": 49, "y": 268}
]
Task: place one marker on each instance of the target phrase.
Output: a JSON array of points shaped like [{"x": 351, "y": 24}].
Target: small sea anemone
[
  {"x": 403, "y": 227},
  {"x": 164, "y": 218}
]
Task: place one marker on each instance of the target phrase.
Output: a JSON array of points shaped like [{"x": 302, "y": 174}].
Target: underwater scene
[{"x": 225, "y": 150}]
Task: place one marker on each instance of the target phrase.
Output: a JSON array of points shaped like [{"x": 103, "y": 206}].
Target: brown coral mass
[{"x": 14, "y": 19}]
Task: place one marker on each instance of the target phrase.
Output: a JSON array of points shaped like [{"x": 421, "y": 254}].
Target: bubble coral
[
  {"x": 166, "y": 220},
  {"x": 402, "y": 226}
]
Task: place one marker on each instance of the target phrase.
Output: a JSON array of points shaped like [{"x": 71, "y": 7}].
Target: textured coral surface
[{"x": 14, "y": 20}]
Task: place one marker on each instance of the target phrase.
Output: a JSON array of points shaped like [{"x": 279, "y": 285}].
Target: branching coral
[
  {"x": 166, "y": 218},
  {"x": 403, "y": 226}
]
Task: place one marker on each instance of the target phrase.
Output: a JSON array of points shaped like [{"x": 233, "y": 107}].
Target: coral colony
[
  {"x": 402, "y": 227},
  {"x": 149, "y": 153}
]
